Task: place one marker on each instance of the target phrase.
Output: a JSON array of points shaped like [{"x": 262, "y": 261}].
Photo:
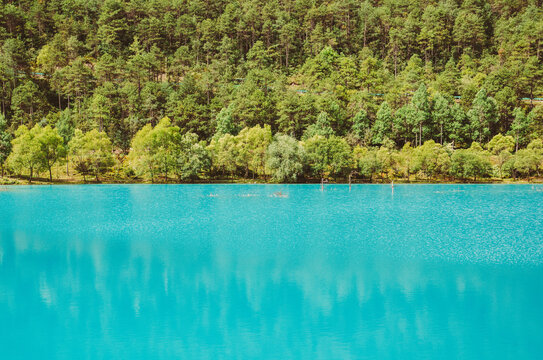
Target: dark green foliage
[
  {"x": 320, "y": 127},
  {"x": 272, "y": 63},
  {"x": 382, "y": 128},
  {"x": 373, "y": 73}
]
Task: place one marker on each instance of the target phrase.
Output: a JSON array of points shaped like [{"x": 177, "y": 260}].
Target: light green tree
[
  {"x": 223, "y": 152},
  {"x": 536, "y": 146},
  {"x": 525, "y": 162},
  {"x": 153, "y": 150},
  {"x": 252, "y": 144},
  {"x": 328, "y": 156},
  {"x": 285, "y": 158},
  {"x": 431, "y": 159},
  {"x": 26, "y": 151},
  {"x": 501, "y": 147},
  {"x": 92, "y": 153},
  {"x": 385, "y": 155},
  {"x": 470, "y": 163},
  {"x": 404, "y": 160},
  {"x": 164, "y": 141},
  {"x": 51, "y": 147},
  {"x": 192, "y": 157},
  {"x": 367, "y": 162}
]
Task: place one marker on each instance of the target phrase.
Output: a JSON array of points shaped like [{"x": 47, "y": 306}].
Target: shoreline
[{"x": 43, "y": 182}]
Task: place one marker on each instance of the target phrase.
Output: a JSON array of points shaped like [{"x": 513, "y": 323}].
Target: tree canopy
[{"x": 230, "y": 76}]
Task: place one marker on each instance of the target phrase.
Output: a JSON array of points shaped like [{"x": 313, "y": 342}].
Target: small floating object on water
[
  {"x": 213, "y": 195},
  {"x": 448, "y": 191},
  {"x": 280, "y": 194}
]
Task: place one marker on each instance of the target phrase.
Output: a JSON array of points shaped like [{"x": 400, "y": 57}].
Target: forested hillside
[{"x": 371, "y": 74}]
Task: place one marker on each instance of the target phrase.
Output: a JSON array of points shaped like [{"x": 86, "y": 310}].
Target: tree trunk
[
  {"x": 31, "y": 171},
  {"x": 286, "y": 55},
  {"x": 50, "y": 175},
  {"x": 365, "y": 31},
  {"x": 395, "y": 61}
]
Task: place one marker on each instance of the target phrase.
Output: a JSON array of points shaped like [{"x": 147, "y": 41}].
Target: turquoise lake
[{"x": 234, "y": 272}]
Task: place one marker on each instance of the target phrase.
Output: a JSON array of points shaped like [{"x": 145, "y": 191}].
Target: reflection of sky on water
[{"x": 126, "y": 275}]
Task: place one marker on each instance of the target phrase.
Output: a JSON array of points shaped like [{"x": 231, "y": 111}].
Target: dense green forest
[{"x": 277, "y": 90}]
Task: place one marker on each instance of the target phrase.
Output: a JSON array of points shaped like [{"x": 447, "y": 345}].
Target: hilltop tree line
[{"x": 370, "y": 74}]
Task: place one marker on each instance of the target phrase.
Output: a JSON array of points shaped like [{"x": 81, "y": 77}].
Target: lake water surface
[{"x": 232, "y": 272}]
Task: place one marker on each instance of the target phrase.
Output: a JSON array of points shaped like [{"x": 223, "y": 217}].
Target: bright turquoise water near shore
[{"x": 162, "y": 272}]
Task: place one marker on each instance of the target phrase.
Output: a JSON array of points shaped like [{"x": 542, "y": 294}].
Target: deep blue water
[{"x": 163, "y": 272}]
